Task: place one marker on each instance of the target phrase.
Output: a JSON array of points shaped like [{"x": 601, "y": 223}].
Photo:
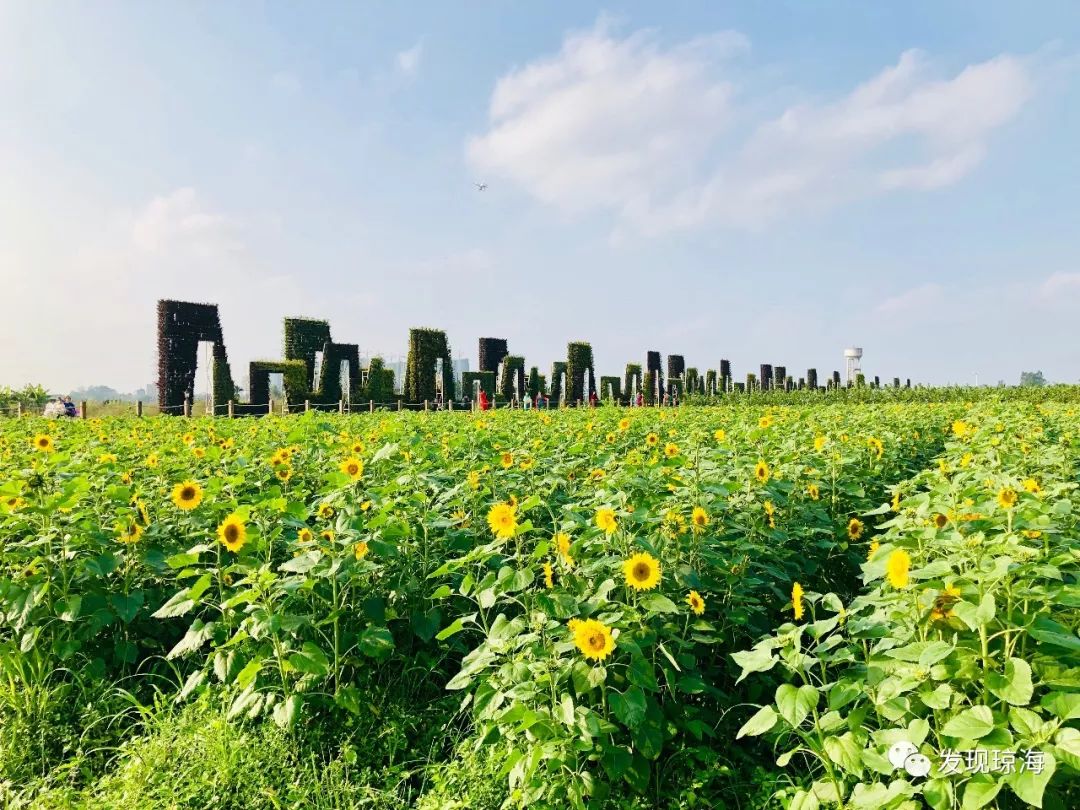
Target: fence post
[
  {"x": 341, "y": 406},
  {"x": 187, "y": 406},
  {"x": 138, "y": 408},
  {"x": 399, "y": 404},
  {"x": 270, "y": 406},
  {"x": 307, "y": 405},
  {"x": 425, "y": 404},
  {"x": 450, "y": 405},
  {"x": 231, "y": 410},
  {"x": 18, "y": 409},
  {"x": 371, "y": 406},
  {"x": 82, "y": 409}
]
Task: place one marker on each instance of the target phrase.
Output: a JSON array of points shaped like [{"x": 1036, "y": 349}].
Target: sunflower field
[{"x": 745, "y": 605}]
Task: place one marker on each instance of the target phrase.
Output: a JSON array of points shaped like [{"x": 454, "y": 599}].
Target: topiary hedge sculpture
[
  {"x": 426, "y": 346},
  {"x": 610, "y": 389},
  {"x": 492, "y": 352},
  {"x": 676, "y": 366},
  {"x": 304, "y": 338},
  {"x": 558, "y": 375},
  {"x": 182, "y": 325},
  {"x": 487, "y": 383},
  {"x": 512, "y": 384},
  {"x": 652, "y": 363},
  {"x": 580, "y": 379},
  {"x": 632, "y": 381}
]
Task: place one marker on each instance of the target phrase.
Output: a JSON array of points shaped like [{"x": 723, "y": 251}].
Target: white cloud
[
  {"x": 177, "y": 218},
  {"x": 408, "y": 61},
  {"x": 658, "y": 134},
  {"x": 1059, "y": 285}
]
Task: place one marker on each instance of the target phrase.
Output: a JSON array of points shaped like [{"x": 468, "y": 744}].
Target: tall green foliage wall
[
  {"x": 558, "y": 373},
  {"x": 513, "y": 377},
  {"x": 426, "y": 346},
  {"x": 580, "y": 378},
  {"x": 304, "y": 337}
]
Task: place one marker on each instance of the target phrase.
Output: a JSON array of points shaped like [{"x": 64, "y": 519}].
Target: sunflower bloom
[
  {"x": 898, "y": 568},
  {"x": 696, "y": 603},
  {"x": 1032, "y": 486},
  {"x": 671, "y": 450},
  {"x": 761, "y": 472},
  {"x": 1006, "y": 498},
  {"x": 872, "y": 550},
  {"x": 305, "y": 535},
  {"x": 796, "y": 600},
  {"x": 474, "y": 480},
  {"x": 642, "y": 572},
  {"x": 855, "y": 529},
  {"x": 605, "y": 519},
  {"x": 360, "y": 550},
  {"x": 43, "y": 443},
  {"x": 624, "y": 424},
  {"x": 699, "y": 517},
  {"x": 130, "y": 532},
  {"x": 941, "y": 520},
  {"x": 652, "y": 440},
  {"x": 562, "y": 544},
  {"x": 352, "y": 467},
  {"x": 814, "y": 491},
  {"x": 502, "y": 519},
  {"x": 325, "y": 511},
  {"x": 719, "y": 435},
  {"x": 233, "y": 532},
  {"x": 187, "y": 495},
  {"x": 593, "y": 639},
  {"x": 507, "y": 460},
  {"x": 549, "y": 576}
]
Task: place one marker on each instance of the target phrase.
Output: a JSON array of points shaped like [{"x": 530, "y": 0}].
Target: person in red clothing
[
  {"x": 593, "y": 399},
  {"x": 484, "y": 403}
]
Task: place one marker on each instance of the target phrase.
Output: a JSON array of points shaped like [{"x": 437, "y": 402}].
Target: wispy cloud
[
  {"x": 909, "y": 302},
  {"x": 408, "y": 61},
  {"x": 656, "y": 134}
]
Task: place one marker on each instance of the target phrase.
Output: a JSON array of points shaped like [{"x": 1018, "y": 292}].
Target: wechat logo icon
[{"x": 905, "y": 755}]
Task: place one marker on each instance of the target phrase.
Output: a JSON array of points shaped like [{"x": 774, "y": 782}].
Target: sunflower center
[
  {"x": 187, "y": 494},
  {"x": 232, "y": 532},
  {"x": 642, "y": 571},
  {"x": 596, "y": 642}
]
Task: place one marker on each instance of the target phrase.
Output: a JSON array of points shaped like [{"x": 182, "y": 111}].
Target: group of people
[
  {"x": 60, "y": 407},
  {"x": 670, "y": 398}
]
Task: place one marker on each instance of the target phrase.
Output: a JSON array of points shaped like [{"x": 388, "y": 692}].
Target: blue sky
[{"x": 765, "y": 182}]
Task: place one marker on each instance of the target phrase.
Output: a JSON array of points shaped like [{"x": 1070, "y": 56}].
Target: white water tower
[{"x": 853, "y": 361}]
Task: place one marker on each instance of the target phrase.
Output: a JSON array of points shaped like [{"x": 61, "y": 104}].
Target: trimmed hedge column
[
  {"x": 425, "y": 347},
  {"x": 534, "y": 386},
  {"x": 648, "y": 387},
  {"x": 811, "y": 379},
  {"x": 487, "y": 382},
  {"x": 580, "y": 379},
  {"x": 380, "y": 382},
  {"x": 492, "y": 352},
  {"x": 513, "y": 377},
  {"x": 692, "y": 379},
  {"x": 725, "y": 374},
  {"x": 765, "y": 380},
  {"x": 609, "y": 388},
  {"x": 304, "y": 337},
  {"x": 293, "y": 377},
  {"x": 181, "y": 326},
  {"x": 652, "y": 363},
  {"x": 558, "y": 373},
  {"x": 710, "y": 382},
  {"x": 631, "y": 376},
  {"x": 676, "y": 366},
  {"x": 330, "y": 392}
]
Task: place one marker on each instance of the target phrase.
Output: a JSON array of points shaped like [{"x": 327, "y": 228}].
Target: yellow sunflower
[
  {"x": 796, "y": 600},
  {"x": 43, "y": 443},
  {"x": 527, "y": 464},
  {"x": 898, "y": 567},
  {"x": 352, "y": 467},
  {"x": 284, "y": 472},
  {"x": 652, "y": 440},
  {"x": 130, "y": 532},
  {"x": 325, "y": 511},
  {"x": 593, "y": 638},
  {"x": 605, "y": 519},
  {"x": 855, "y": 529},
  {"x": 814, "y": 491},
  {"x": 642, "y": 572},
  {"x": 941, "y": 520},
  {"x": 1006, "y": 498},
  {"x": 671, "y": 450},
  {"x": 507, "y": 460},
  {"x": 696, "y": 603},
  {"x": 474, "y": 479},
  {"x": 624, "y": 424},
  {"x": 874, "y": 546},
  {"x": 187, "y": 495},
  {"x": 761, "y": 472},
  {"x": 305, "y": 535},
  {"x": 699, "y": 517},
  {"x": 502, "y": 519},
  {"x": 360, "y": 550},
  {"x": 233, "y": 532},
  {"x": 549, "y": 576},
  {"x": 1032, "y": 486}
]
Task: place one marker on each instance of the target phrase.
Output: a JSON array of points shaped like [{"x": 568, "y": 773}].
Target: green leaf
[
  {"x": 311, "y": 660},
  {"x": 979, "y": 792},
  {"x": 985, "y": 612},
  {"x": 803, "y": 800},
  {"x": 566, "y": 709},
  {"x": 376, "y": 642},
  {"x": 759, "y": 659},
  {"x": 845, "y": 752},
  {"x": 795, "y": 704},
  {"x": 762, "y": 721},
  {"x": 1067, "y": 747},
  {"x": 1064, "y": 705},
  {"x": 1014, "y": 686},
  {"x": 286, "y": 712},
  {"x": 970, "y": 724},
  {"x": 68, "y": 609},
  {"x": 658, "y": 603},
  {"x": 1050, "y": 632},
  {"x": 628, "y": 706},
  {"x": 178, "y": 605},
  {"x": 246, "y": 677},
  {"x": 455, "y": 626},
  {"x": 1028, "y": 785}
]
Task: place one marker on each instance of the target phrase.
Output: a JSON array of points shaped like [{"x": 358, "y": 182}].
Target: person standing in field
[{"x": 485, "y": 404}]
